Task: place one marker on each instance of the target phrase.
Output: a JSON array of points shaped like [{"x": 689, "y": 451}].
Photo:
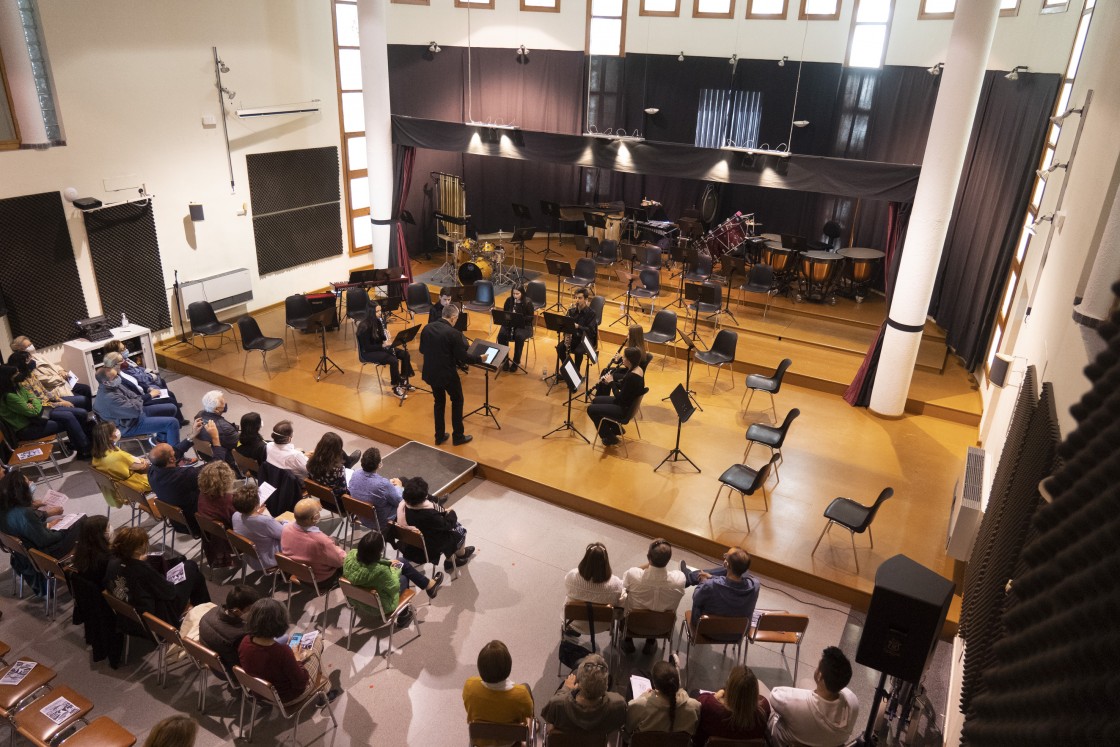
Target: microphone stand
[
  {"x": 626, "y": 314},
  {"x": 183, "y": 339}
]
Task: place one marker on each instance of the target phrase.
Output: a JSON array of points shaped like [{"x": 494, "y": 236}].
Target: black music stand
[
  {"x": 690, "y": 260},
  {"x": 571, "y": 377},
  {"x": 678, "y": 254},
  {"x": 552, "y": 210},
  {"x": 561, "y": 269},
  {"x": 401, "y": 340},
  {"x": 515, "y": 321},
  {"x": 520, "y": 236},
  {"x": 562, "y": 324},
  {"x": 688, "y": 372},
  {"x": 493, "y": 355},
  {"x": 693, "y": 292},
  {"x": 521, "y": 212},
  {"x": 732, "y": 265},
  {"x": 591, "y": 357},
  {"x": 596, "y": 220},
  {"x": 682, "y": 404},
  {"x": 628, "y": 278},
  {"x": 323, "y": 319}
]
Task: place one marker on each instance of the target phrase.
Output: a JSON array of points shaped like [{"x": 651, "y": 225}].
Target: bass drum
[{"x": 477, "y": 269}]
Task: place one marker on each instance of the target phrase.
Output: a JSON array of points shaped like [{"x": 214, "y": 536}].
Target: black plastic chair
[
  {"x": 650, "y": 258},
  {"x": 855, "y": 517},
  {"x": 253, "y": 339},
  {"x": 204, "y": 323},
  {"x": 483, "y": 300},
  {"x": 418, "y": 298},
  {"x": 626, "y": 419},
  {"x": 768, "y": 384},
  {"x": 297, "y": 310},
  {"x": 357, "y": 306},
  {"x": 772, "y": 437},
  {"x": 831, "y": 232},
  {"x": 745, "y": 481},
  {"x": 664, "y": 331},
  {"x": 607, "y": 254},
  {"x": 597, "y": 305},
  {"x": 722, "y": 354},
  {"x": 584, "y": 274},
  {"x": 537, "y": 292},
  {"x": 650, "y": 289},
  {"x": 701, "y": 272},
  {"x": 760, "y": 280}
]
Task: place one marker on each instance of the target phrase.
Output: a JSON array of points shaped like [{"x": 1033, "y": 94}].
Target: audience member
[
  {"x": 147, "y": 382},
  {"x": 293, "y": 673},
  {"x": 443, "y": 534},
  {"x": 215, "y": 501},
  {"x": 134, "y": 577},
  {"x": 29, "y": 417},
  {"x": 113, "y": 461},
  {"x": 665, "y": 706},
  {"x": 173, "y": 731},
  {"x": 305, "y": 542},
  {"x": 60, "y": 409},
  {"x": 91, "y": 551},
  {"x": 23, "y": 517},
  {"x": 367, "y": 568},
  {"x": 327, "y": 465},
  {"x": 222, "y": 628},
  {"x": 652, "y": 587},
  {"x": 383, "y": 493},
  {"x": 214, "y": 408},
  {"x": 55, "y": 379},
  {"x": 492, "y": 695},
  {"x": 583, "y": 706},
  {"x": 91, "y": 611},
  {"x": 283, "y": 453},
  {"x": 737, "y": 711},
  {"x": 154, "y": 405},
  {"x": 592, "y": 580},
  {"x": 821, "y": 717},
  {"x": 728, "y": 591},
  {"x": 174, "y": 481},
  {"x": 250, "y": 444},
  {"x": 252, "y": 521},
  {"x": 117, "y": 403}
]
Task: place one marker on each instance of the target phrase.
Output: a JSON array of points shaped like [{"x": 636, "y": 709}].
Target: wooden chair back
[
  {"x": 204, "y": 449},
  {"x": 361, "y": 511},
  {"x": 215, "y": 530},
  {"x": 660, "y": 739},
  {"x": 135, "y": 498},
  {"x": 169, "y": 634},
  {"x": 128, "y": 613},
  {"x": 489, "y": 732},
  {"x": 720, "y": 629},
  {"x": 244, "y": 547},
  {"x": 175, "y": 517},
  {"x": 412, "y": 537},
  {"x": 101, "y": 732},
  {"x": 650, "y": 624},
  {"x": 205, "y": 658},
  {"x": 294, "y": 569},
  {"x": 247, "y": 466}
]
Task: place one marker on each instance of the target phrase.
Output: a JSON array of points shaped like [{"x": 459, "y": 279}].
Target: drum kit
[{"x": 485, "y": 259}]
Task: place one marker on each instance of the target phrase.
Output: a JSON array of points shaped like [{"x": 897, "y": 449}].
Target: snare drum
[
  {"x": 476, "y": 269},
  {"x": 725, "y": 237}
]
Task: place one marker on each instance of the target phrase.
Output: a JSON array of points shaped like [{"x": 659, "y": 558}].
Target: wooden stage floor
[{"x": 832, "y": 450}]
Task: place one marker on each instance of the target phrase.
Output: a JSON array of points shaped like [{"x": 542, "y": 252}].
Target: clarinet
[{"x": 615, "y": 362}]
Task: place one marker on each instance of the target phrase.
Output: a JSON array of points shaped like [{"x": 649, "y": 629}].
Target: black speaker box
[{"x": 908, "y": 608}]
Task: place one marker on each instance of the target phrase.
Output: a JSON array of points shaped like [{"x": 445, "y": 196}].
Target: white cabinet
[{"x": 84, "y": 357}]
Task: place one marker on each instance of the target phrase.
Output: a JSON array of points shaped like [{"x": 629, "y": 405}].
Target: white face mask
[{"x": 30, "y": 348}]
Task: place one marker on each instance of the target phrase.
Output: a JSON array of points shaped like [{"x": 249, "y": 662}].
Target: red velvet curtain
[{"x": 403, "y": 159}]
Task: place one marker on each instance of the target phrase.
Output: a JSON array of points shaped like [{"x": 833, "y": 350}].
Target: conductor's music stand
[
  {"x": 552, "y": 210},
  {"x": 628, "y": 278},
  {"x": 323, "y": 319},
  {"x": 571, "y": 378},
  {"x": 493, "y": 355},
  {"x": 521, "y": 213},
  {"x": 561, "y": 269},
  {"x": 515, "y": 321},
  {"x": 520, "y": 236},
  {"x": 683, "y": 406},
  {"x": 688, "y": 372}
]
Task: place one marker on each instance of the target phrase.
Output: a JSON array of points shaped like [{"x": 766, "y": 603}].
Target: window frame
[
  {"x": 1059, "y": 7},
  {"x": 344, "y": 142},
  {"x": 18, "y": 141},
  {"x": 475, "y": 4},
  {"x": 803, "y": 16},
  {"x": 886, "y": 36},
  {"x": 924, "y": 16},
  {"x": 751, "y": 15},
  {"x": 697, "y": 13},
  {"x": 621, "y": 36},
  {"x": 676, "y": 13},
  {"x": 411, "y": 2},
  {"x": 555, "y": 8}
]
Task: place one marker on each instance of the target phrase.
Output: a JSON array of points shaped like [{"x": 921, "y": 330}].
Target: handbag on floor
[{"x": 572, "y": 653}]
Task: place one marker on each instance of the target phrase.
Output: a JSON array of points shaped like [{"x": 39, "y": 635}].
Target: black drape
[{"x": 1006, "y": 143}]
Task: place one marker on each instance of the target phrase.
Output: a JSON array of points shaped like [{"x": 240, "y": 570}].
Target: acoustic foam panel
[
  {"x": 39, "y": 282},
  {"x": 125, "y": 254},
  {"x": 296, "y": 207}
]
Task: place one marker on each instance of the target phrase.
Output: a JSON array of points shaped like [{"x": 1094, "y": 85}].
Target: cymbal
[{"x": 499, "y": 236}]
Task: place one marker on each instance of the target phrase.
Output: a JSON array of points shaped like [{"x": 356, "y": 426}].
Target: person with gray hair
[
  {"x": 444, "y": 348},
  {"x": 124, "y": 407},
  {"x": 53, "y": 378},
  {"x": 214, "y": 408},
  {"x": 153, "y": 405},
  {"x": 584, "y": 705}
]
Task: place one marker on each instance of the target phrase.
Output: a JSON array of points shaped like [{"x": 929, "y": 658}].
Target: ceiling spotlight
[
  {"x": 229, "y": 94},
  {"x": 1014, "y": 74},
  {"x": 651, "y": 110},
  {"x": 734, "y": 59},
  {"x": 1043, "y": 173},
  {"x": 680, "y": 57},
  {"x": 522, "y": 51},
  {"x": 801, "y": 123},
  {"x": 434, "y": 48},
  {"x": 223, "y": 66},
  {"x": 782, "y": 62},
  {"x": 1059, "y": 118},
  {"x": 936, "y": 69}
]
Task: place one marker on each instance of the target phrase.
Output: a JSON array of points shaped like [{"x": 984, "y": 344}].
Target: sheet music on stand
[
  {"x": 571, "y": 375},
  {"x": 589, "y": 349}
]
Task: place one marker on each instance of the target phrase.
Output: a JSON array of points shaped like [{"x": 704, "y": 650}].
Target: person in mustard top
[
  {"x": 111, "y": 460},
  {"x": 492, "y": 696}
]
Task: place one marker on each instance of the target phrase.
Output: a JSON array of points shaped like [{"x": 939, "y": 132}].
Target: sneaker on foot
[
  {"x": 461, "y": 560},
  {"x": 400, "y": 392},
  {"x": 431, "y": 591}
]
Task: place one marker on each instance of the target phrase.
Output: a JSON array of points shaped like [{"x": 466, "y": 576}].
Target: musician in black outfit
[
  {"x": 444, "y": 348},
  {"x": 517, "y": 303},
  {"x": 632, "y": 385},
  {"x": 373, "y": 339},
  {"x": 436, "y": 312},
  {"x": 587, "y": 325}
]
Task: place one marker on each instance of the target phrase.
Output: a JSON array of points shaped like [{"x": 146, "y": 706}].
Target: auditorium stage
[{"x": 832, "y": 449}]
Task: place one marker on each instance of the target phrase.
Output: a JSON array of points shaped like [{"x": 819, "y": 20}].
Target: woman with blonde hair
[{"x": 215, "y": 501}]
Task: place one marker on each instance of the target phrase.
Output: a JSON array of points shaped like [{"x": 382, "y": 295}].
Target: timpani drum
[
  {"x": 862, "y": 263},
  {"x": 778, "y": 257},
  {"x": 476, "y": 269},
  {"x": 818, "y": 273}
]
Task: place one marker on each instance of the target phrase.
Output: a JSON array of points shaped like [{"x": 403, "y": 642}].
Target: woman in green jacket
[{"x": 365, "y": 568}]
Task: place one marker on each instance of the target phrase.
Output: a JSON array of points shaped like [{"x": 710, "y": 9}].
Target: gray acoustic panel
[
  {"x": 296, "y": 207},
  {"x": 39, "y": 281},
  {"x": 125, "y": 253}
]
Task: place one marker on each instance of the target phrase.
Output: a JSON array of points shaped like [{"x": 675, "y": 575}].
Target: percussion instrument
[
  {"x": 775, "y": 237},
  {"x": 726, "y": 236},
  {"x": 861, "y": 268},
  {"x": 780, "y": 258},
  {"x": 479, "y": 268},
  {"x": 489, "y": 251},
  {"x": 818, "y": 272},
  {"x": 465, "y": 250}
]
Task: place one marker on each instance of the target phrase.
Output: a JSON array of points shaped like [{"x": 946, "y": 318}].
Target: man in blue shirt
[
  {"x": 383, "y": 493},
  {"x": 728, "y": 591}
]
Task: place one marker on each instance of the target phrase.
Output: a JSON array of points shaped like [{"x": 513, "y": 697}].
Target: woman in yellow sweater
[{"x": 111, "y": 460}]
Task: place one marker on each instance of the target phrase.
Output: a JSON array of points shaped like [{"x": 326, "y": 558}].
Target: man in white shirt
[
  {"x": 822, "y": 717},
  {"x": 652, "y": 587},
  {"x": 282, "y": 453}
]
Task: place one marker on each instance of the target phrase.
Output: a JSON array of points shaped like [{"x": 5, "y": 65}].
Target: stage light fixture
[
  {"x": 936, "y": 69},
  {"x": 1014, "y": 74},
  {"x": 782, "y": 62},
  {"x": 434, "y": 48},
  {"x": 680, "y": 57},
  {"x": 1059, "y": 118},
  {"x": 1043, "y": 173}
]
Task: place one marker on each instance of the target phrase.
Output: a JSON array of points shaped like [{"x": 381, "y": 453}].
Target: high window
[
  {"x": 668, "y": 8},
  {"x": 871, "y": 28},
  {"x": 938, "y": 10},
  {"x": 606, "y": 27},
  {"x": 819, "y": 10},
  {"x": 767, "y": 9},
  {"x": 713, "y": 8},
  {"x": 355, "y": 174}
]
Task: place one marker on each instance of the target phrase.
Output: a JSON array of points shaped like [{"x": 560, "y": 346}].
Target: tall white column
[
  {"x": 969, "y": 44},
  {"x": 1097, "y": 302},
  {"x": 21, "y": 79},
  {"x": 373, "y": 40}
]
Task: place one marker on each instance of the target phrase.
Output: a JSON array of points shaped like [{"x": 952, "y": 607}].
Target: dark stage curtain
[
  {"x": 1006, "y": 143},
  {"x": 672, "y": 87},
  {"x": 403, "y": 160}
]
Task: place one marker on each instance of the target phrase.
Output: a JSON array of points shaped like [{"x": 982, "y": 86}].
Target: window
[
  {"x": 819, "y": 10},
  {"x": 937, "y": 10},
  {"x": 481, "y": 4},
  {"x": 411, "y": 2},
  {"x": 604, "y": 92},
  {"x": 668, "y": 8},
  {"x": 728, "y": 118},
  {"x": 871, "y": 27},
  {"x": 606, "y": 27},
  {"x": 767, "y": 9},
  {"x": 9, "y": 130},
  {"x": 713, "y": 8},
  {"x": 1058, "y": 6},
  {"x": 355, "y": 175},
  {"x": 541, "y": 6}
]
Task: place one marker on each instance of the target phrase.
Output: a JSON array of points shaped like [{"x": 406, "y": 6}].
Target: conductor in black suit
[{"x": 444, "y": 348}]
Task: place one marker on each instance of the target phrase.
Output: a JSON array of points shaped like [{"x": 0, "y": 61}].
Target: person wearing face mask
[
  {"x": 214, "y": 408},
  {"x": 146, "y": 383},
  {"x": 124, "y": 407},
  {"x": 26, "y": 364},
  {"x": 30, "y": 418},
  {"x": 373, "y": 338},
  {"x": 53, "y": 378}
]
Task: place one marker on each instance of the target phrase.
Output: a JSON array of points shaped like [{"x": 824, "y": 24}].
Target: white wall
[{"x": 134, "y": 79}]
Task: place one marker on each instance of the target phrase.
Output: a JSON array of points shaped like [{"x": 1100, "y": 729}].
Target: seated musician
[
  {"x": 615, "y": 371},
  {"x": 587, "y": 325},
  {"x": 436, "y": 312},
  {"x": 615, "y": 406},
  {"x": 373, "y": 347},
  {"x": 517, "y": 303}
]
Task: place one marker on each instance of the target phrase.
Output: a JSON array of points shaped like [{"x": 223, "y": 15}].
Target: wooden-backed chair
[
  {"x": 247, "y": 549},
  {"x": 168, "y": 638},
  {"x": 39, "y": 729},
  {"x": 175, "y": 521},
  {"x": 660, "y": 739},
  {"x": 600, "y": 616},
  {"x": 356, "y": 596},
  {"x": 208, "y": 663},
  {"x": 327, "y": 500},
  {"x": 259, "y": 691},
  {"x": 247, "y": 466},
  {"x": 780, "y": 627},
  {"x": 361, "y": 514},
  {"x": 713, "y": 630},
  {"x": 487, "y": 732},
  {"x": 301, "y": 573},
  {"x": 214, "y": 531},
  {"x": 650, "y": 624},
  {"x": 15, "y": 547},
  {"x": 53, "y": 571},
  {"x": 101, "y": 732},
  {"x": 129, "y": 622}
]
